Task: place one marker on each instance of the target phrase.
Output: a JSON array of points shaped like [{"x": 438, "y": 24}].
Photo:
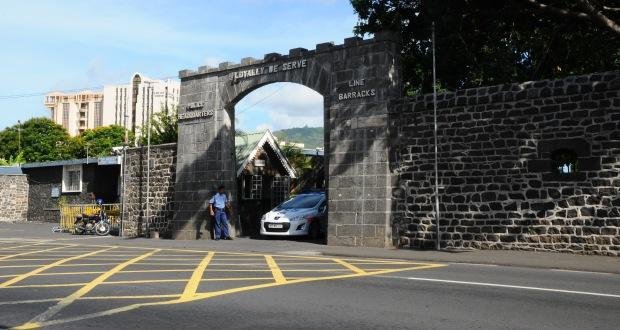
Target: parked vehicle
[
  {"x": 94, "y": 222},
  {"x": 304, "y": 214}
]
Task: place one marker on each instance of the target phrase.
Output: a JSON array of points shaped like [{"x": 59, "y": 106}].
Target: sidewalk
[{"x": 576, "y": 262}]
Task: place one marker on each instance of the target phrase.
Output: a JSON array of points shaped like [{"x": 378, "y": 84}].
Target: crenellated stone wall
[
  {"x": 162, "y": 178},
  {"x": 13, "y": 198},
  {"x": 498, "y": 190}
]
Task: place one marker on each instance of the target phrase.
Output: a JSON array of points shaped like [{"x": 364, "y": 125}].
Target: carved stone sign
[
  {"x": 357, "y": 93},
  {"x": 291, "y": 65},
  {"x": 196, "y": 114}
]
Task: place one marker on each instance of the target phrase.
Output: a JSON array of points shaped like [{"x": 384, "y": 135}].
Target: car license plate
[{"x": 275, "y": 225}]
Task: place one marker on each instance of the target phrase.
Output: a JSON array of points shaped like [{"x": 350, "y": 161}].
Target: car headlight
[{"x": 264, "y": 217}]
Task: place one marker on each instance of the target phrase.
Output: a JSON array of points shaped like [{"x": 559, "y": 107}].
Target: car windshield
[{"x": 301, "y": 202}]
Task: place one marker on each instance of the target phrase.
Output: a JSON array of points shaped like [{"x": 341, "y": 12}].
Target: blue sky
[{"x": 66, "y": 45}]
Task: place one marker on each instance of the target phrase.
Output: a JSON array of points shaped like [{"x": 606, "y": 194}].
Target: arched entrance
[{"x": 357, "y": 80}]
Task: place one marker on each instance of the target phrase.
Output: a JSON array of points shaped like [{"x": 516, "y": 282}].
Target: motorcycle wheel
[
  {"x": 102, "y": 228},
  {"x": 78, "y": 230}
]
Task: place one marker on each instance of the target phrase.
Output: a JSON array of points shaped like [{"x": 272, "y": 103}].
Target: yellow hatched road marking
[
  {"x": 18, "y": 246},
  {"x": 350, "y": 266},
  {"x": 65, "y": 265},
  {"x": 194, "y": 281},
  {"x": 275, "y": 270},
  {"x": 132, "y": 297},
  {"x": 33, "y": 252},
  {"x": 85, "y": 289},
  {"x": 46, "y": 267},
  {"x": 208, "y": 295},
  {"x": 229, "y": 279}
]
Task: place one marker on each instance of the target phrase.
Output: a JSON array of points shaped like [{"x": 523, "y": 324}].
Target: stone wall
[
  {"x": 42, "y": 206},
  {"x": 357, "y": 80},
  {"x": 13, "y": 198},
  {"x": 498, "y": 187},
  {"x": 162, "y": 178}
]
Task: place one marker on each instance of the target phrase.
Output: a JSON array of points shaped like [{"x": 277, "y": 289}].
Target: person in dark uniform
[{"x": 217, "y": 208}]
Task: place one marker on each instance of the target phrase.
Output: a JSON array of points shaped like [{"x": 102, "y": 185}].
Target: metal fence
[{"x": 68, "y": 214}]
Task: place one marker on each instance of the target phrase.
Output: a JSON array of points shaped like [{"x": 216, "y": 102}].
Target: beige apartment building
[
  {"x": 125, "y": 105},
  {"x": 76, "y": 112}
]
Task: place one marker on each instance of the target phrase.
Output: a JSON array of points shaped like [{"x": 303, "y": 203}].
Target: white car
[{"x": 304, "y": 214}]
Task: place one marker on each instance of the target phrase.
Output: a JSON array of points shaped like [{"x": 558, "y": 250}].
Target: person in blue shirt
[{"x": 217, "y": 208}]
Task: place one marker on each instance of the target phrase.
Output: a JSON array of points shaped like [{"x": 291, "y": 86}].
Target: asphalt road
[{"x": 69, "y": 283}]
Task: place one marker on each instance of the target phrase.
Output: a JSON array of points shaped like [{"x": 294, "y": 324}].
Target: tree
[
  {"x": 595, "y": 12},
  {"x": 302, "y": 164},
  {"x": 164, "y": 128},
  {"x": 18, "y": 159},
  {"x": 41, "y": 140},
  {"x": 100, "y": 141},
  {"x": 486, "y": 42}
]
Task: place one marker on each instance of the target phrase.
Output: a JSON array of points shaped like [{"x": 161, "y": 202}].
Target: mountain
[{"x": 311, "y": 137}]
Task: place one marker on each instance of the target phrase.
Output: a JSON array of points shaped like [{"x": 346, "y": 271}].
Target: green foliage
[
  {"x": 303, "y": 165},
  {"x": 41, "y": 140},
  {"x": 486, "y": 42},
  {"x": 99, "y": 141},
  {"x": 311, "y": 137},
  {"x": 18, "y": 159},
  {"x": 164, "y": 128}
]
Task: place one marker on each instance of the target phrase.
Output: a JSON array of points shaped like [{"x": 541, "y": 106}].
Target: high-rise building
[
  {"x": 76, "y": 112},
  {"x": 125, "y": 105},
  {"x": 128, "y": 105}
]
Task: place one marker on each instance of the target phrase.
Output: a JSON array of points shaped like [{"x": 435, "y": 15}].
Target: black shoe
[
  {"x": 217, "y": 239},
  {"x": 228, "y": 238}
]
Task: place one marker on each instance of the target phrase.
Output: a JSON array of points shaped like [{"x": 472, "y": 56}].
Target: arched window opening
[{"x": 564, "y": 162}]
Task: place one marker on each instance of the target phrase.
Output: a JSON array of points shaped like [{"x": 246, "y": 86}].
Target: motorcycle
[{"x": 97, "y": 223}]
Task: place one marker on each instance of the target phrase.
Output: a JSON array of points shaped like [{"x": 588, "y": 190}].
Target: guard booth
[{"x": 263, "y": 179}]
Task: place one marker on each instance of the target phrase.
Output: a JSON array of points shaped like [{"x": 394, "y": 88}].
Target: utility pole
[
  {"x": 123, "y": 166},
  {"x": 149, "y": 110},
  {"x": 438, "y": 233},
  {"x": 19, "y": 136}
]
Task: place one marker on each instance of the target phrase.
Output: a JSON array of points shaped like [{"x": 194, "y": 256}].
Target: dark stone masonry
[
  {"x": 357, "y": 80},
  {"x": 13, "y": 198},
  {"x": 162, "y": 178},
  {"x": 500, "y": 187}
]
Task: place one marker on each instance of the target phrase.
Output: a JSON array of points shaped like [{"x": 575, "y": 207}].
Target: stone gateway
[
  {"x": 522, "y": 166},
  {"x": 355, "y": 121}
]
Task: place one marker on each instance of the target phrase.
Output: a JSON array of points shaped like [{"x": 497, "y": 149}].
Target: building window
[
  {"x": 280, "y": 189},
  {"x": 253, "y": 187},
  {"x": 98, "y": 114},
  {"x": 72, "y": 178},
  {"x": 65, "y": 115},
  {"x": 564, "y": 162}
]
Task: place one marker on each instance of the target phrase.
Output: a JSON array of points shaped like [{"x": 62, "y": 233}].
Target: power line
[
  {"x": 259, "y": 101},
  {"x": 74, "y": 90}
]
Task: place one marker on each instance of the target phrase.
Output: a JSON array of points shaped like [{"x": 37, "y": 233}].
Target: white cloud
[
  {"x": 263, "y": 127},
  {"x": 286, "y": 105}
]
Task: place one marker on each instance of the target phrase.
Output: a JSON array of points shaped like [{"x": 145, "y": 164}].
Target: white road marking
[
  {"x": 580, "y": 271},
  {"x": 472, "y": 264},
  {"x": 519, "y": 287}
]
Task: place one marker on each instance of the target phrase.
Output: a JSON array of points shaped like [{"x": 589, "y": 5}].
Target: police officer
[{"x": 217, "y": 208}]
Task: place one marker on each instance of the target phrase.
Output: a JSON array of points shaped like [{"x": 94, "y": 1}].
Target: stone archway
[{"x": 357, "y": 79}]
